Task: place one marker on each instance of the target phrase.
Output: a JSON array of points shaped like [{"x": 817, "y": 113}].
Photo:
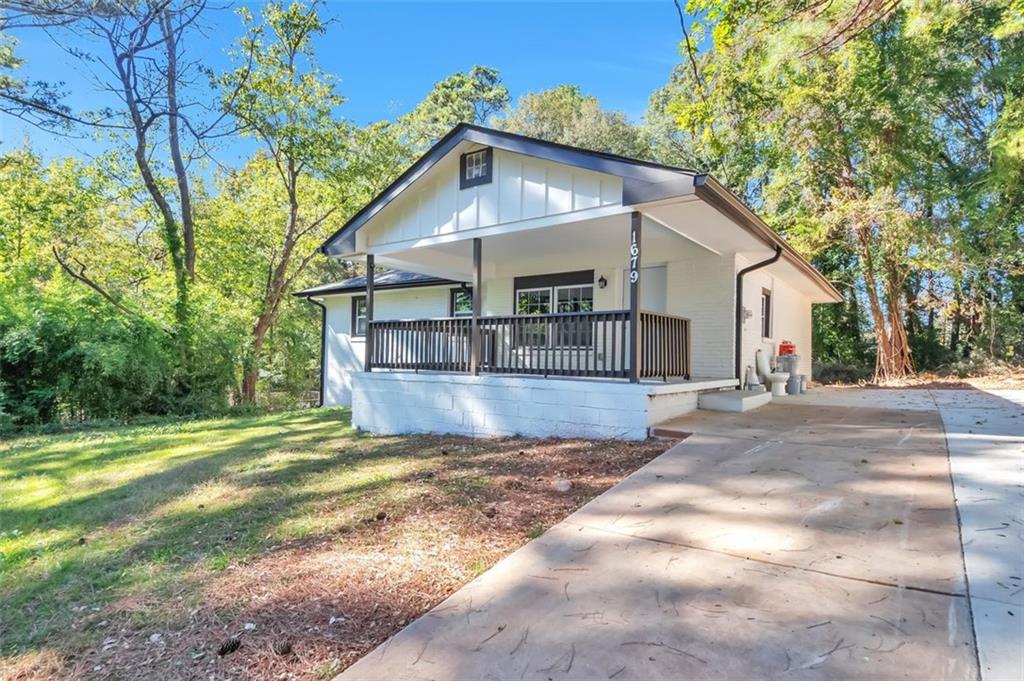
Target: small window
[
  {"x": 461, "y": 302},
  {"x": 475, "y": 167},
  {"x": 766, "y": 313},
  {"x": 359, "y": 316}
]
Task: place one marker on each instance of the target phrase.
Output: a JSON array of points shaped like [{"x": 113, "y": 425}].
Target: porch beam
[
  {"x": 474, "y": 334},
  {"x": 635, "y": 222},
  {"x": 368, "y": 346}
]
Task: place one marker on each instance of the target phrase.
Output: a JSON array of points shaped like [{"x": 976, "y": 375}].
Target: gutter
[{"x": 739, "y": 310}]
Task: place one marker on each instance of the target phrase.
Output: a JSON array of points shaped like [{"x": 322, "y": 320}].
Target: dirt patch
[
  {"x": 1009, "y": 378},
  {"x": 310, "y": 608}
]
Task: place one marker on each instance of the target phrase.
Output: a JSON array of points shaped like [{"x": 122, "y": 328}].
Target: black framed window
[
  {"x": 460, "y": 302},
  {"x": 766, "y": 313},
  {"x": 359, "y": 315},
  {"x": 476, "y": 167},
  {"x": 545, "y": 294}
]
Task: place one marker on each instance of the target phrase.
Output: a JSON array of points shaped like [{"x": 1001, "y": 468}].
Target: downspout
[
  {"x": 739, "y": 310},
  {"x": 323, "y": 346}
]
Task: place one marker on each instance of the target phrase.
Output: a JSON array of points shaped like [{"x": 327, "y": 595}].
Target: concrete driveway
[
  {"x": 985, "y": 435},
  {"x": 798, "y": 541}
]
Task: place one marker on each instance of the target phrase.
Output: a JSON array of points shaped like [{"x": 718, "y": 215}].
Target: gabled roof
[
  {"x": 382, "y": 280},
  {"x": 641, "y": 180}
]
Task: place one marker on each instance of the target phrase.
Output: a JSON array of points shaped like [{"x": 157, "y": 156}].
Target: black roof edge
[
  {"x": 410, "y": 174},
  {"x": 597, "y": 161},
  {"x": 377, "y": 287}
]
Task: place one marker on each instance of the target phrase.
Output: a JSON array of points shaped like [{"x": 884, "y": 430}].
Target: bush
[
  {"x": 978, "y": 364},
  {"x": 840, "y": 373},
  {"x": 69, "y": 357}
]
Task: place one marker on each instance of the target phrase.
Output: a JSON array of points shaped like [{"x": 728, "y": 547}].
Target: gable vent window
[{"x": 476, "y": 168}]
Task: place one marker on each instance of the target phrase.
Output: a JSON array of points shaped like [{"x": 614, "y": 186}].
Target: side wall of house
[
  {"x": 791, "y": 312},
  {"x": 701, "y": 288},
  {"x": 345, "y": 353}
]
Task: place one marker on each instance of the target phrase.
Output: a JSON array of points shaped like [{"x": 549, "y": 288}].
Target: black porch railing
[
  {"x": 583, "y": 344},
  {"x": 664, "y": 345}
]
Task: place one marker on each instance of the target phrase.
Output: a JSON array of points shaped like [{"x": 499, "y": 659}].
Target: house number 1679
[{"x": 634, "y": 260}]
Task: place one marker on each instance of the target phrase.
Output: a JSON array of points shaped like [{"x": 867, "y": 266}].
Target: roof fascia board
[
  {"x": 344, "y": 238},
  {"x": 340, "y": 291}
]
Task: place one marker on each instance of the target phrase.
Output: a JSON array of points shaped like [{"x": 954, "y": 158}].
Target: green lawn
[
  {"x": 186, "y": 531},
  {"x": 90, "y": 517}
]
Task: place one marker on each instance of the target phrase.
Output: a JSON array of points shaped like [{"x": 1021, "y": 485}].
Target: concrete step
[
  {"x": 733, "y": 400},
  {"x": 674, "y": 434}
]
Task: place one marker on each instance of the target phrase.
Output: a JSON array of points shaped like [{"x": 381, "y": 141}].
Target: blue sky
[{"x": 387, "y": 55}]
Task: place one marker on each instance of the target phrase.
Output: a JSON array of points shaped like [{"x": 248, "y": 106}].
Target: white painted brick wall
[
  {"x": 792, "y": 317},
  {"x": 344, "y": 353},
  {"x": 390, "y": 403},
  {"x": 702, "y": 288}
]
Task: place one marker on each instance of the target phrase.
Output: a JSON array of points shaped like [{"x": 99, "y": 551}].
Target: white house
[{"x": 540, "y": 289}]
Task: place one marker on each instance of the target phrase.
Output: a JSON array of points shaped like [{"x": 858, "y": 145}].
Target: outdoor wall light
[{"x": 602, "y": 282}]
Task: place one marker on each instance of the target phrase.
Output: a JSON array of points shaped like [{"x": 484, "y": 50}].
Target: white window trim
[
  {"x": 771, "y": 313},
  {"x": 354, "y": 331}
]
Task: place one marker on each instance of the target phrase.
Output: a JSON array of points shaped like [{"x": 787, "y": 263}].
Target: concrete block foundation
[{"x": 391, "y": 403}]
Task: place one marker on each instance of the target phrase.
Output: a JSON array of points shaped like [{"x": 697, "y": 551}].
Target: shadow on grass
[{"x": 265, "y": 482}]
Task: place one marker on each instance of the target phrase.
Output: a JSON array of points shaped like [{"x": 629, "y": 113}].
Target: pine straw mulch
[
  {"x": 310, "y": 609},
  {"x": 1006, "y": 379}
]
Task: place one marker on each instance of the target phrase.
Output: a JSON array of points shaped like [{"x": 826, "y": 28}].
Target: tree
[
  {"x": 847, "y": 124},
  {"x": 66, "y": 352},
  {"x": 136, "y": 55},
  {"x": 283, "y": 100},
  {"x": 37, "y": 102},
  {"x": 471, "y": 97},
  {"x": 564, "y": 114}
]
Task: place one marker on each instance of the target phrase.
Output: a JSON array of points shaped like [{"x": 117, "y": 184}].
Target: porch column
[
  {"x": 634, "y": 296},
  {"x": 368, "y": 347},
  {"x": 478, "y": 294}
]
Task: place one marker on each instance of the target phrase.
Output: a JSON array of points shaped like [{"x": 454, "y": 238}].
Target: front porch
[
  {"x": 607, "y": 297},
  {"x": 573, "y": 330}
]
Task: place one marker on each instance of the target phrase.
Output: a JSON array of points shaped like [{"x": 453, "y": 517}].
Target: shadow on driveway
[{"x": 796, "y": 541}]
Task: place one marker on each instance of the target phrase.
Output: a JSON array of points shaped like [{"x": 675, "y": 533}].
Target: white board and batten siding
[{"x": 523, "y": 188}]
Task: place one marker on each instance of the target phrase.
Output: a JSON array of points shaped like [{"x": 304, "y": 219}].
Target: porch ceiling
[
  {"x": 707, "y": 225},
  {"x": 671, "y": 228},
  {"x": 596, "y": 239}
]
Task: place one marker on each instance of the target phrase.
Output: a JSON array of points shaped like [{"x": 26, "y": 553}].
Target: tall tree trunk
[
  {"x": 125, "y": 65},
  {"x": 882, "y": 343},
  {"x": 954, "y": 334},
  {"x": 900, "y": 364},
  {"x": 174, "y": 142},
  {"x": 276, "y": 288}
]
